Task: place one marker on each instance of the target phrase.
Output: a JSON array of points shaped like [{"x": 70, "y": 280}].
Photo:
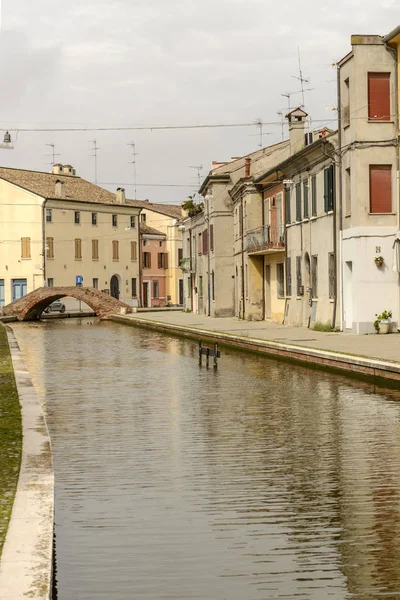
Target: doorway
[
  {"x": 348, "y": 294},
  {"x": 181, "y": 292},
  {"x": 267, "y": 291},
  {"x": 114, "y": 287},
  {"x": 146, "y": 294}
]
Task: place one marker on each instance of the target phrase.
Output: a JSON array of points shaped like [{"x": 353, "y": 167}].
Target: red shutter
[
  {"x": 379, "y": 96},
  {"x": 212, "y": 238},
  {"x": 380, "y": 188}
]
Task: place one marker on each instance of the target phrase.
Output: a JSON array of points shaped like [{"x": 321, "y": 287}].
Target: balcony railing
[{"x": 269, "y": 238}]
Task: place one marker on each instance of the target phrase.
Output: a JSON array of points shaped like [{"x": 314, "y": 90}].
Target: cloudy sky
[{"x": 125, "y": 63}]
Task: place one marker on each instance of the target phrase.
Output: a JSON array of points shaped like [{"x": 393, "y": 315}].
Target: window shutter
[
  {"x": 50, "y": 247},
  {"x": 298, "y": 202},
  {"x": 380, "y": 186},
  {"x": 287, "y": 206},
  {"x": 379, "y": 96},
  {"x": 149, "y": 259},
  {"x": 165, "y": 261},
  {"x": 159, "y": 260},
  {"x": 330, "y": 187},
  {"x": 212, "y": 238},
  {"x": 133, "y": 251},
  {"x": 314, "y": 196}
]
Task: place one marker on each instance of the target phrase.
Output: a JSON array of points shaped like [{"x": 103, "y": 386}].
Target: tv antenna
[
  {"x": 300, "y": 78},
  {"x": 199, "y": 169},
  {"x": 288, "y": 95},
  {"x": 53, "y": 153},
  {"x": 95, "y": 148},
  {"x": 133, "y": 162},
  {"x": 280, "y": 114},
  {"x": 261, "y": 132}
]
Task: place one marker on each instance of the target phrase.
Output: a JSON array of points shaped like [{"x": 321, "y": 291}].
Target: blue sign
[{"x": 79, "y": 279}]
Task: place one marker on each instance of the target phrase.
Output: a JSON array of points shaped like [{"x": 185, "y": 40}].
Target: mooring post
[
  {"x": 200, "y": 353},
  {"x": 215, "y": 356},
  {"x": 208, "y": 357}
]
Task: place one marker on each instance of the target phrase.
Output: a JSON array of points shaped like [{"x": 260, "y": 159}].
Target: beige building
[
  {"x": 167, "y": 219},
  {"x": 57, "y": 229}
]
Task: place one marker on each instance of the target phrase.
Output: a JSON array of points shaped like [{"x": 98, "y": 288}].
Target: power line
[{"x": 175, "y": 185}]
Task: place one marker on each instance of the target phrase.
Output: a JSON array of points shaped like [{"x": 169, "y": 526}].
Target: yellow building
[
  {"x": 57, "y": 229},
  {"x": 167, "y": 218}
]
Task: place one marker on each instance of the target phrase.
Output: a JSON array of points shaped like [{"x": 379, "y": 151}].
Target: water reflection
[{"x": 261, "y": 480}]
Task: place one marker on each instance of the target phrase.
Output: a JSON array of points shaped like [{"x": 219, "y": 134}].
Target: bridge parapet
[{"x": 31, "y": 306}]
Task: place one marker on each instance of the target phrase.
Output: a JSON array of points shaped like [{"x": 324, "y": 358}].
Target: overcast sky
[{"x": 106, "y": 63}]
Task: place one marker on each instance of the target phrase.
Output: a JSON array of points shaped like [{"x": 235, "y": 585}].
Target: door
[
  {"x": 146, "y": 295},
  {"x": 19, "y": 289},
  {"x": 181, "y": 292},
  {"x": 348, "y": 294},
  {"x": 114, "y": 287},
  {"x": 267, "y": 291}
]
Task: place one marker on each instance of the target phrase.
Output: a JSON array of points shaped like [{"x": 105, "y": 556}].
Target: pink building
[{"x": 154, "y": 262}]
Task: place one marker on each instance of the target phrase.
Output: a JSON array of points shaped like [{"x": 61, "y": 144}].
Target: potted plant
[
  {"x": 379, "y": 261},
  {"x": 382, "y": 322}
]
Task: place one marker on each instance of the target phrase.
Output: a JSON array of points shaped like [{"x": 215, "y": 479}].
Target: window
[
  {"x": 95, "y": 283},
  {"x": 306, "y": 213},
  {"x": 95, "y": 249},
  {"x": 347, "y": 191},
  {"x": 299, "y": 284},
  {"x": 205, "y": 241},
  {"x": 380, "y": 189},
  {"x": 199, "y": 245},
  {"x": 213, "y": 285},
  {"x": 211, "y": 238},
  {"x": 155, "y": 289},
  {"x": 115, "y": 250},
  {"x": 162, "y": 260},
  {"x": 94, "y": 218},
  {"x": 50, "y": 282},
  {"x": 77, "y": 217},
  {"x": 2, "y": 300},
  {"x": 379, "y": 96},
  {"x": 332, "y": 275},
  {"x": 288, "y": 276},
  {"x": 78, "y": 249},
  {"x": 115, "y": 220},
  {"x": 133, "y": 250},
  {"x": 145, "y": 242},
  {"x": 134, "y": 287},
  {"x": 280, "y": 279},
  {"x": 49, "y": 215},
  {"x": 25, "y": 247},
  {"x": 346, "y": 103},
  {"x": 49, "y": 247},
  {"x": 143, "y": 217},
  {"x": 133, "y": 222},
  {"x": 314, "y": 276},
  {"x": 146, "y": 260},
  {"x": 189, "y": 287},
  {"x": 180, "y": 256},
  {"x": 161, "y": 244},
  {"x": 200, "y": 286},
  {"x": 298, "y": 202},
  {"x": 314, "y": 196},
  {"x": 287, "y": 206},
  {"x": 328, "y": 188}
]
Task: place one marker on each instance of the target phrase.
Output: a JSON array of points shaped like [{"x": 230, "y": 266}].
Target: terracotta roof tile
[
  {"x": 170, "y": 210},
  {"x": 150, "y": 230}
]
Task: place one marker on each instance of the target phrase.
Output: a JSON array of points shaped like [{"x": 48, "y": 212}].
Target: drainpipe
[
  {"x": 191, "y": 268},
  {"x": 207, "y": 198},
  {"x": 140, "y": 259},
  {"x": 263, "y": 258},
  {"x": 242, "y": 249},
  {"x": 44, "y": 241},
  {"x": 339, "y": 270}
]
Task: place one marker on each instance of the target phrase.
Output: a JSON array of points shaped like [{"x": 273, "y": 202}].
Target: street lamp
[{"x": 7, "y": 143}]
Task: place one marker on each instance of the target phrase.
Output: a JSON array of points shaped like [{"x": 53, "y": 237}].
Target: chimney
[
  {"x": 121, "y": 198},
  {"x": 60, "y": 189},
  {"x": 57, "y": 169},
  {"x": 184, "y": 211},
  {"x": 247, "y": 163},
  {"x": 296, "y": 119},
  {"x": 68, "y": 170}
]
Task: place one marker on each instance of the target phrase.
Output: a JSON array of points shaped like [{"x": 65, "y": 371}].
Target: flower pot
[
  {"x": 379, "y": 263},
  {"x": 384, "y": 326}
]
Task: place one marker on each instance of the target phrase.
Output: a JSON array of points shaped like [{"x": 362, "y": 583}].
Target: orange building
[{"x": 154, "y": 263}]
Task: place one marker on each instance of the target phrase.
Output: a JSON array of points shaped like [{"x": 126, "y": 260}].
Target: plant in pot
[
  {"x": 382, "y": 322},
  {"x": 379, "y": 261}
]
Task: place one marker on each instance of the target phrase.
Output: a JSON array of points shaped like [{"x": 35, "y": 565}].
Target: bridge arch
[{"x": 31, "y": 306}]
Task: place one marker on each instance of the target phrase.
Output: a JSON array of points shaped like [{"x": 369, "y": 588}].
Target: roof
[
  {"x": 44, "y": 184},
  {"x": 169, "y": 210},
  {"x": 392, "y": 35},
  {"x": 145, "y": 229}
]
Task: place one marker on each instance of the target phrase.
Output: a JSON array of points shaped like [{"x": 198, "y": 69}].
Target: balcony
[{"x": 268, "y": 239}]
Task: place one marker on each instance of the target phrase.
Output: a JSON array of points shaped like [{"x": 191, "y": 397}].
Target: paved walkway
[{"x": 379, "y": 347}]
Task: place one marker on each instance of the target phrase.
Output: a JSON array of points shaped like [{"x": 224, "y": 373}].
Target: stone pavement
[{"x": 379, "y": 347}]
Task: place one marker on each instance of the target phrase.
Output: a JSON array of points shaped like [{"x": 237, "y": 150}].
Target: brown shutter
[
  {"x": 380, "y": 188},
  {"x": 133, "y": 251},
  {"x": 95, "y": 249},
  {"x": 50, "y": 247},
  {"x": 149, "y": 257},
  {"x": 379, "y": 96},
  {"x": 78, "y": 248},
  {"x": 165, "y": 261},
  {"x": 115, "y": 250},
  {"x": 212, "y": 238},
  {"x": 159, "y": 257}
]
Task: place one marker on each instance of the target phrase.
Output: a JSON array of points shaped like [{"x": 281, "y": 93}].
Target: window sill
[
  {"x": 26, "y": 258},
  {"x": 115, "y": 259},
  {"x": 314, "y": 217},
  {"x": 78, "y": 259},
  {"x": 95, "y": 259},
  {"x": 94, "y": 225},
  {"x": 305, "y": 220},
  {"x": 76, "y": 223},
  {"x": 386, "y": 214},
  {"x": 347, "y": 216},
  {"x": 133, "y": 259},
  {"x": 49, "y": 257},
  {"x": 346, "y": 125},
  {"x": 380, "y": 120}
]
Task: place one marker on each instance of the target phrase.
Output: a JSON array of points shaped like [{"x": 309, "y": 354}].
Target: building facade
[
  {"x": 154, "y": 264},
  {"x": 57, "y": 229},
  {"x": 368, "y": 139}
]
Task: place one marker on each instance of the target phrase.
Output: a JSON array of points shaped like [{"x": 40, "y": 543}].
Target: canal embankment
[
  {"x": 27, "y": 481},
  {"x": 375, "y": 357}
]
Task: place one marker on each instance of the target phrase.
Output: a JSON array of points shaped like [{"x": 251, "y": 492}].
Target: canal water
[{"x": 261, "y": 480}]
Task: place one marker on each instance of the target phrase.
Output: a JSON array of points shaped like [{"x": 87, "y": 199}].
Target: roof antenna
[
  {"x": 133, "y": 162},
  {"x": 53, "y": 153},
  {"x": 302, "y": 79},
  {"x": 95, "y": 148},
  {"x": 199, "y": 169}
]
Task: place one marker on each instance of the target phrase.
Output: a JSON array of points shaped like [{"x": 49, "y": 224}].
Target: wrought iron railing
[{"x": 268, "y": 237}]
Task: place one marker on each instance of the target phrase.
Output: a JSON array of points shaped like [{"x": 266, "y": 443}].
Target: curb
[
  {"x": 26, "y": 566},
  {"x": 369, "y": 368}
]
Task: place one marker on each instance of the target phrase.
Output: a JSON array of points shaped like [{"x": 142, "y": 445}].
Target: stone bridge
[{"x": 31, "y": 306}]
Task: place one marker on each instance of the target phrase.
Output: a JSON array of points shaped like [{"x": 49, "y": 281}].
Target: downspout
[
  {"x": 140, "y": 259},
  {"x": 263, "y": 270},
  {"x": 44, "y": 241},
  {"x": 208, "y": 257},
  {"x": 339, "y": 269},
  {"x": 334, "y": 224},
  {"x": 242, "y": 243},
  {"x": 191, "y": 269}
]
